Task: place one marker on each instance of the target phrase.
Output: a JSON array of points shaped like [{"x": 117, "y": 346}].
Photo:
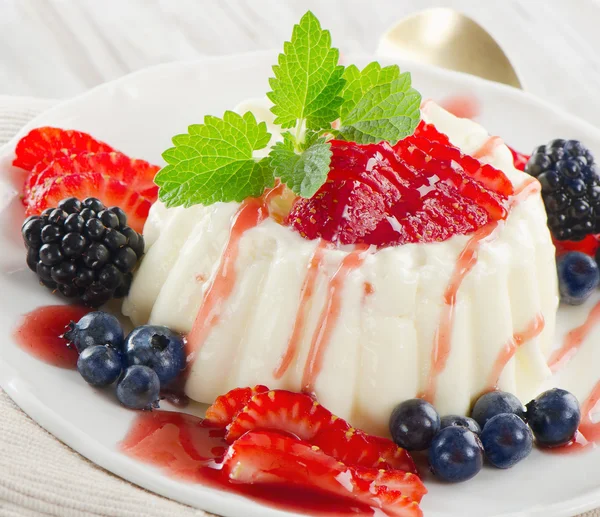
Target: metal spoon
[{"x": 449, "y": 39}]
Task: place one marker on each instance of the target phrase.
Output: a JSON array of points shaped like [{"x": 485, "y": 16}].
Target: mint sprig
[
  {"x": 379, "y": 104},
  {"x": 214, "y": 161},
  {"x": 308, "y": 79},
  {"x": 302, "y": 168}
]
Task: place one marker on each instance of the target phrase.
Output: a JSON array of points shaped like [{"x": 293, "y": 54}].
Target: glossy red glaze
[
  {"x": 185, "y": 447},
  {"x": 329, "y": 316},
  {"x": 308, "y": 288},
  {"x": 533, "y": 329},
  {"x": 251, "y": 213},
  {"x": 39, "y": 334}
]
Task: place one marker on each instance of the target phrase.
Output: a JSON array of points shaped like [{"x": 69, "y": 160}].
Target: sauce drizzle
[
  {"x": 329, "y": 316},
  {"x": 533, "y": 329},
  {"x": 573, "y": 340},
  {"x": 306, "y": 294},
  {"x": 250, "y": 214}
]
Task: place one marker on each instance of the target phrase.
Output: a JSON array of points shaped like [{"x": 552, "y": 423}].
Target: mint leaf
[
  {"x": 307, "y": 80},
  {"x": 302, "y": 167},
  {"x": 213, "y": 162},
  {"x": 379, "y": 104}
]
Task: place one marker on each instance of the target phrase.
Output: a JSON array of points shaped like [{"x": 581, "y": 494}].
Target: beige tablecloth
[{"x": 39, "y": 475}]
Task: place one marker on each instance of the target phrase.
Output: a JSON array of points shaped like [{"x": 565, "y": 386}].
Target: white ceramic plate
[{"x": 138, "y": 114}]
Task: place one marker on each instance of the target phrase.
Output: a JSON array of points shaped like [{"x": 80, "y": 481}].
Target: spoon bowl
[{"x": 449, "y": 39}]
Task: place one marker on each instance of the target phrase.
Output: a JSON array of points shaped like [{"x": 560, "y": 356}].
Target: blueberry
[
  {"x": 413, "y": 424},
  {"x": 158, "y": 348},
  {"x": 578, "y": 277},
  {"x": 495, "y": 403},
  {"x": 95, "y": 328},
  {"x": 506, "y": 440},
  {"x": 456, "y": 454},
  {"x": 100, "y": 365},
  {"x": 554, "y": 417},
  {"x": 460, "y": 421},
  {"x": 139, "y": 388}
]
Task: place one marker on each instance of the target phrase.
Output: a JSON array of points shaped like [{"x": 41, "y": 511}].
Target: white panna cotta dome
[{"x": 363, "y": 329}]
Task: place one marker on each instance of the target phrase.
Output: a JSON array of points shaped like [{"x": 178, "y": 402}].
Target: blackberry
[
  {"x": 83, "y": 250},
  {"x": 570, "y": 188}
]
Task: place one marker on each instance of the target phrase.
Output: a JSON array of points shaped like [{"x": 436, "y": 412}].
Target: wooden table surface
[{"x": 58, "y": 48}]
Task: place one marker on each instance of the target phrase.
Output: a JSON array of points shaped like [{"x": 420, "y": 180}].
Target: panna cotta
[{"x": 362, "y": 327}]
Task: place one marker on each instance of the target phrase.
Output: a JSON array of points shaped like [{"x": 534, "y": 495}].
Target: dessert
[
  {"x": 376, "y": 260},
  {"x": 379, "y": 347}
]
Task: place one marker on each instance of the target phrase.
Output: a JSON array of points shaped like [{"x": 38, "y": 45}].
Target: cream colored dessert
[{"x": 363, "y": 339}]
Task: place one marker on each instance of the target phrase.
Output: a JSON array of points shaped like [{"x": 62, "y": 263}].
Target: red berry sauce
[
  {"x": 184, "y": 447},
  {"x": 39, "y": 334}
]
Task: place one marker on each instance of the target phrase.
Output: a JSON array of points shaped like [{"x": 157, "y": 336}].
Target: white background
[{"x": 58, "y": 48}]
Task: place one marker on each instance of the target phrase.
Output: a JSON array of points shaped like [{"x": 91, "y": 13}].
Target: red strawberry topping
[
  {"x": 300, "y": 415},
  {"x": 43, "y": 144},
  {"x": 271, "y": 458},
  {"x": 423, "y": 190},
  {"x": 519, "y": 159},
  {"x": 110, "y": 191}
]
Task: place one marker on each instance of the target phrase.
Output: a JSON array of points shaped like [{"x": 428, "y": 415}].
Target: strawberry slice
[
  {"x": 430, "y": 132},
  {"x": 421, "y": 191},
  {"x": 280, "y": 410},
  {"x": 108, "y": 190},
  {"x": 300, "y": 415},
  {"x": 227, "y": 406},
  {"x": 429, "y": 157},
  {"x": 262, "y": 457},
  {"x": 138, "y": 174},
  {"x": 43, "y": 144},
  {"x": 437, "y": 145},
  {"x": 347, "y": 211}
]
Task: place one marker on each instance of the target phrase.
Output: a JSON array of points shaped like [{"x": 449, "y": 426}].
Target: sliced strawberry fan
[
  {"x": 422, "y": 190},
  {"x": 43, "y": 144},
  {"x": 64, "y": 163},
  {"x": 279, "y": 437},
  {"x": 110, "y": 191},
  {"x": 262, "y": 457},
  {"x": 138, "y": 174},
  {"x": 300, "y": 415}
]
